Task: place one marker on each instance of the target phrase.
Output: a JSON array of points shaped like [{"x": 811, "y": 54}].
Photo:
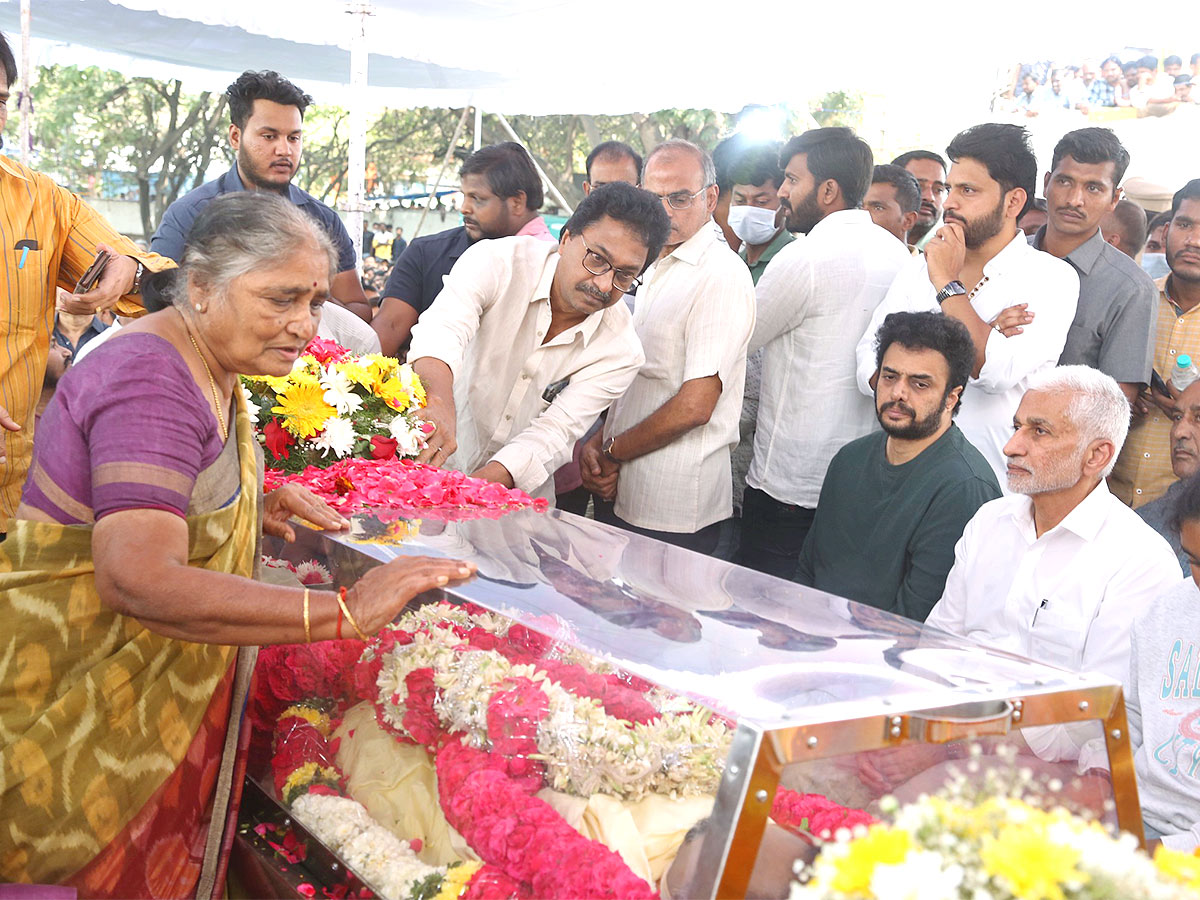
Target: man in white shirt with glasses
[
  {"x": 527, "y": 343},
  {"x": 664, "y": 453}
]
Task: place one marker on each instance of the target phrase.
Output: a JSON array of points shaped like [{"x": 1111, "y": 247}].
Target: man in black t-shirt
[{"x": 894, "y": 503}]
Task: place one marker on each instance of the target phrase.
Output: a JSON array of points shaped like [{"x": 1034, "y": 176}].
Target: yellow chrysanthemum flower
[
  {"x": 1178, "y": 866},
  {"x": 395, "y": 394},
  {"x": 357, "y": 373},
  {"x": 307, "y": 774},
  {"x": 881, "y": 845},
  {"x": 412, "y": 384},
  {"x": 456, "y": 880},
  {"x": 304, "y": 409},
  {"x": 1034, "y": 867},
  {"x": 277, "y": 383},
  {"x": 314, "y": 717}
]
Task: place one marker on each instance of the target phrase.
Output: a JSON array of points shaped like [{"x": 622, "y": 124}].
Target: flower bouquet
[
  {"x": 1000, "y": 848},
  {"x": 335, "y": 405}
]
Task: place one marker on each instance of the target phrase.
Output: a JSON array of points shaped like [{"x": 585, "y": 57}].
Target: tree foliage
[
  {"x": 90, "y": 123},
  {"x": 101, "y": 132}
]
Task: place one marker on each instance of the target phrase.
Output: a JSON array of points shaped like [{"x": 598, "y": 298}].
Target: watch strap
[{"x": 952, "y": 289}]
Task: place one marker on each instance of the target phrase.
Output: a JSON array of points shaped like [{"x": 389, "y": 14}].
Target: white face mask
[
  {"x": 1155, "y": 264},
  {"x": 753, "y": 224}
]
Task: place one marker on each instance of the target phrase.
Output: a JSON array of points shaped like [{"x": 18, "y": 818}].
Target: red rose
[
  {"x": 383, "y": 447},
  {"x": 278, "y": 439}
]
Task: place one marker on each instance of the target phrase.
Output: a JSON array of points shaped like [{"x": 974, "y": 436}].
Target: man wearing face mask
[
  {"x": 754, "y": 207},
  {"x": 755, "y": 218},
  {"x": 813, "y": 301}
]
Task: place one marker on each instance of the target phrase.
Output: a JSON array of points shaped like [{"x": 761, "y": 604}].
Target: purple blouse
[{"x": 128, "y": 428}]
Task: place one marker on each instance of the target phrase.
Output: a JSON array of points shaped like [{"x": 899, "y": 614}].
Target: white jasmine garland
[
  {"x": 585, "y": 750},
  {"x": 338, "y": 436}
]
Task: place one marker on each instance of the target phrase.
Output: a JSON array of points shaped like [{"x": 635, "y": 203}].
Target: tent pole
[
  {"x": 356, "y": 202},
  {"x": 26, "y": 101},
  {"x": 558, "y": 198},
  {"x": 478, "y": 128},
  {"x": 462, "y": 120}
]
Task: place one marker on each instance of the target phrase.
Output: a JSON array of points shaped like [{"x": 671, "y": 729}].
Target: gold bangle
[
  {"x": 341, "y": 599},
  {"x": 307, "y": 626}
]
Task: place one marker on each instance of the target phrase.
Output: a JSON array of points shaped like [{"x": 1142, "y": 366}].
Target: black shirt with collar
[{"x": 417, "y": 276}]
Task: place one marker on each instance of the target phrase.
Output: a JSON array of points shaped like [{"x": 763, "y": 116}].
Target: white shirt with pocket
[
  {"x": 521, "y": 400},
  {"x": 694, "y": 316},
  {"x": 1068, "y": 598}
]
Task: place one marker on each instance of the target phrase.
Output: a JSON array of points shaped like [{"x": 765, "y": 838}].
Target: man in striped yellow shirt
[
  {"x": 1143, "y": 472},
  {"x": 48, "y": 238}
]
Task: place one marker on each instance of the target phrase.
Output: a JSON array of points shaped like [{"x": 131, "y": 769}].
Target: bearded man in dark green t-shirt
[{"x": 895, "y": 502}]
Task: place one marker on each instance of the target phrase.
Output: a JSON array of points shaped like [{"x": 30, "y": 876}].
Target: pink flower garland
[
  {"x": 401, "y": 484},
  {"x": 815, "y": 813},
  {"x": 523, "y": 835}
]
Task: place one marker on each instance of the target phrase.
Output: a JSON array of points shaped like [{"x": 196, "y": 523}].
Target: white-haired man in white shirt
[{"x": 1059, "y": 570}]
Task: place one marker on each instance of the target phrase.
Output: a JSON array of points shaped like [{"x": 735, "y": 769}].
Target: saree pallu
[{"x": 112, "y": 736}]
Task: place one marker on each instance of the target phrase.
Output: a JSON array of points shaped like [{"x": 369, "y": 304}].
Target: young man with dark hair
[
  {"x": 52, "y": 236},
  {"x": 755, "y": 217},
  {"x": 754, "y": 207},
  {"x": 663, "y": 455},
  {"x": 813, "y": 302},
  {"x": 1173, "y": 65},
  {"x": 1125, "y": 228},
  {"x": 1113, "y": 329},
  {"x": 1152, "y": 88},
  {"x": 894, "y": 201},
  {"x": 502, "y": 193},
  {"x": 930, "y": 171},
  {"x": 528, "y": 343},
  {"x": 978, "y": 265},
  {"x": 1110, "y": 89},
  {"x": 266, "y": 134},
  {"x": 895, "y": 502},
  {"x": 724, "y": 155},
  {"x": 1143, "y": 471},
  {"x": 612, "y": 161}
]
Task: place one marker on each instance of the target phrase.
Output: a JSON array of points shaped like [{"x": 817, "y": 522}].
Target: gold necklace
[{"x": 212, "y": 383}]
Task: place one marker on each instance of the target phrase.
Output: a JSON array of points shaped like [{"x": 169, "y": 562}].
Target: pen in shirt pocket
[
  {"x": 1045, "y": 603},
  {"x": 24, "y": 246}
]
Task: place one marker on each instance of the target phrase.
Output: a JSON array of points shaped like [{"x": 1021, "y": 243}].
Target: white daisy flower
[
  {"x": 339, "y": 392},
  {"x": 338, "y": 436}
]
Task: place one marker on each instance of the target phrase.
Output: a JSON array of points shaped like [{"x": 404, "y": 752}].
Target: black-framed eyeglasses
[
  {"x": 623, "y": 280},
  {"x": 682, "y": 199}
]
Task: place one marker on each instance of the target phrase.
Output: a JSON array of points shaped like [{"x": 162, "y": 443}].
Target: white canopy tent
[{"x": 571, "y": 56}]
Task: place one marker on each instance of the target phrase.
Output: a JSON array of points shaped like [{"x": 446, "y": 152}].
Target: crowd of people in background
[
  {"x": 910, "y": 384},
  {"x": 1141, "y": 83}
]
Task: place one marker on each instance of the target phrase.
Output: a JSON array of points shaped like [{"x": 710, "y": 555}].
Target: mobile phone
[
  {"x": 1157, "y": 383},
  {"x": 93, "y": 273}
]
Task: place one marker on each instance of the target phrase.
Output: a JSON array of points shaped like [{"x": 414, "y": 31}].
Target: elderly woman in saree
[{"x": 125, "y": 581}]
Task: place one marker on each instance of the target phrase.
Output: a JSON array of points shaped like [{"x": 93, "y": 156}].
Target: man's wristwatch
[
  {"x": 137, "y": 276},
  {"x": 953, "y": 289},
  {"x": 607, "y": 451}
]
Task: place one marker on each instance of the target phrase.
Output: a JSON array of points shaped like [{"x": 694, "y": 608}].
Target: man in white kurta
[
  {"x": 526, "y": 345},
  {"x": 664, "y": 453}
]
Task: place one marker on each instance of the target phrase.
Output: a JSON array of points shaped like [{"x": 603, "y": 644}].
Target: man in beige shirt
[
  {"x": 663, "y": 455},
  {"x": 526, "y": 344}
]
